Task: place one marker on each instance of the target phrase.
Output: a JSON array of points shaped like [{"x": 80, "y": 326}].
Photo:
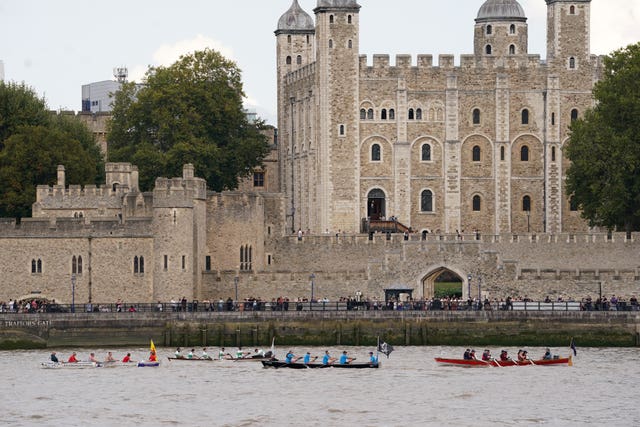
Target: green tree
[
  {"x": 33, "y": 142},
  {"x": 189, "y": 112},
  {"x": 604, "y": 147}
]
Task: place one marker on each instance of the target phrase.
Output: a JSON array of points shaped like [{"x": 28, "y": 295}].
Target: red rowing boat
[{"x": 499, "y": 363}]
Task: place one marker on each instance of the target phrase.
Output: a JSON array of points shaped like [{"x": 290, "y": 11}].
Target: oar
[{"x": 496, "y": 362}]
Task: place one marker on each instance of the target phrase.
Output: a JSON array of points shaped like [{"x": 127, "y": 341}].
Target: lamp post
[
  {"x": 469, "y": 286},
  {"x": 479, "y": 287},
  {"x": 235, "y": 282},
  {"x": 312, "y": 277},
  {"x": 73, "y": 293}
]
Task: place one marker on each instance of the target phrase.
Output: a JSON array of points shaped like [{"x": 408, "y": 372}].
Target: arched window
[
  {"x": 553, "y": 154},
  {"x": 375, "y": 153},
  {"x": 477, "y": 203},
  {"x": 418, "y": 114},
  {"x": 370, "y": 114},
  {"x": 299, "y": 60},
  {"x": 512, "y": 29},
  {"x": 426, "y": 153},
  {"x": 141, "y": 264},
  {"x": 512, "y": 49},
  {"x": 350, "y": 44},
  {"x": 574, "y": 115},
  {"x": 383, "y": 114},
  {"x": 289, "y": 38},
  {"x": 39, "y": 265},
  {"x": 475, "y": 154},
  {"x": 476, "y": 116},
  {"x": 136, "y": 265},
  {"x": 288, "y": 60},
  {"x": 426, "y": 201},
  {"x": 363, "y": 114},
  {"x": 330, "y": 44},
  {"x": 79, "y": 265},
  {"x": 526, "y": 204},
  {"x": 572, "y": 63},
  {"x": 553, "y": 119},
  {"x": 349, "y": 19},
  {"x": 392, "y": 114},
  {"x": 572, "y": 10},
  {"x": 341, "y": 130},
  {"x": 74, "y": 265},
  {"x": 487, "y": 49},
  {"x": 502, "y": 154},
  {"x": 525, "y": 117},
  {"x": 33, "y": 266},
  {"x": 330, "y": 19},
  {"x": 489, "y": 29},
  {"x": 524, "y": 154},
  {"x": 411, "y": 114}
]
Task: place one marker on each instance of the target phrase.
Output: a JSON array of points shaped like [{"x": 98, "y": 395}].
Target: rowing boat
[
  {"x": 499, "y": 363},
  {"x": 148, "y": 363},
  {"x": 193, "y": 359},
  {"x": 71, "y": 365},
  {"x": 296, "y": 365}
]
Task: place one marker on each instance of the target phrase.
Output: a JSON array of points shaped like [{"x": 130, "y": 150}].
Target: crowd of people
[
  {"x": 522, "y": 356},
  {"x": 326, "y": 359}
]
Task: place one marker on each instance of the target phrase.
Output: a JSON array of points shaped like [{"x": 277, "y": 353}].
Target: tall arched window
[
  {"x": 370, "y": 114},
  {"x": 34, "y": 266},
  {"x": 512, "y": 29},
  {"x": 526, "y": 204},
  {"x": 524, "y": 154},
  {"x": 418, "y": 114},
  {"x": 363, "y": 114},
  {"x": 475, "y": 155},
  {"x": 411, "y": 114},
  {"x": 573, "y": 205},
  {"x": 574, "y": 115},
  {"x": 553, "y": 154},
  {"x": 512, "y": 49},
  {"x": 39, "y": 267},
  {"x": 350, "y": 44},
  {"x": 330, "y": 44},
  {"x": 476, "y": 116},
  {"x": 488, "y": 49},
  {"x": 489, "y": 29},
  {"x": 426, "y": 201},
  {"x": 349, "y": 19},
  {"x": 553, "y": 119},
  {"x": 74, "y": 265},
  {"x": 426, "y": 153},
  {"x": 375, "y": 153},
  {"x": 136, "y": 264},
  {"x": 572, "y": 63},
  {"x": 330, "y": 19},
  {"x": 502, "y": 153},
  {"x": 299, "y": 60},
  {"x": 288, "y": 60},
  {"x": 525, "y": 117},
  {"x": 383, "y": 114},
  {"x": 572, "y": 10},
  {"x": 341, "y": 130},
  {"x": 477, "y": 203},
  {"x": 392, "y": 114}
]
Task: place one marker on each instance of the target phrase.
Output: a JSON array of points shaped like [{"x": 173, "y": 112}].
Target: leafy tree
[
  {"x": 604, "y": 147},
  {"x": 33, "y": 142},
  {"x": 189, "y": 112}
]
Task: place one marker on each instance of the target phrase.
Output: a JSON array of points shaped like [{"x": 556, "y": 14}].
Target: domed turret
[
  {"x": 501, "y": 10},
  {"x": 295, "y": 19}
]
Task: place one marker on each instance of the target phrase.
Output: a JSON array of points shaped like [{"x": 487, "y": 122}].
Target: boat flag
[
  {"x": 384, "y": 348},
  {"x": 152, "y": 347},
  {"x": 573, "y": 347}
]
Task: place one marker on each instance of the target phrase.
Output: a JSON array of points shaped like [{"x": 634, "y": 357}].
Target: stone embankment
[{"x": 249, "y": 329}]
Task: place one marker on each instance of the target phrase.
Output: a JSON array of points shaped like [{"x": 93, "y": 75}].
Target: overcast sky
[{"x": 57, "y": 46}]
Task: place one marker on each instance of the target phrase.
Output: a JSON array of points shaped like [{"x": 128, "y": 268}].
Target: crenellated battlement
[
  {"x": 74, "y": 228},
  {"x": 301, "y": 74},
  {"x": 382, "y": 62}
]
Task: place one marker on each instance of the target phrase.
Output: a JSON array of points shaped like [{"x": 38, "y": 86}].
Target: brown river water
[{"x": 408, "y": 390}]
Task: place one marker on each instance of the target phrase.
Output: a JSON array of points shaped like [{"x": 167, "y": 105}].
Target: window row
[
  {"x": 489, "y": 49},
  {"x": 412, "y": 114},
  {"x": 165, "y": 262},
  {"x": 246, "y": 258},
  {"x": 489, "y": 29},
  {"x": 427, "y": 205},
  {"x": 476, "y": 116}
]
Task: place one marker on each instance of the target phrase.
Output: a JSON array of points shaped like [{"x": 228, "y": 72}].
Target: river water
[{"x": 408, "y": 390}]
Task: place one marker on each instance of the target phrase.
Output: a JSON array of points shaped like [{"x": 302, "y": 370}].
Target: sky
[{"x": 57, "y": 46}]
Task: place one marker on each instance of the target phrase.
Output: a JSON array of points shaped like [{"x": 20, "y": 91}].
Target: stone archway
[
  {"x": 428, "y": 280},
  {"x": 376, "y": 204}
]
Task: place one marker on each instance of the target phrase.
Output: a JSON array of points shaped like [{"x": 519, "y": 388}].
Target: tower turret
[
  {"x": 295, "y": 45},
  {"x": 568, "y": 32},
  {"x": 501, "y": 29}
]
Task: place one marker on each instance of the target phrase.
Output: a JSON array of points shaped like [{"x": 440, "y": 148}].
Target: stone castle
[{"x": 475, "y": 147}]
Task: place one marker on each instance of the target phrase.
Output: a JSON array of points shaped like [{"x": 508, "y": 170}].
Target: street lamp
[
  {"x": 235, "y": 282},
  {"x": 312, "y": 277},
  {"x": 73, "y": 293},
  {"x": 469, "y": 286}
]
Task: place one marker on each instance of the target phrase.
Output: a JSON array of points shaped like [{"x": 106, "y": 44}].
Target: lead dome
[
  {"x": 501, "y": 10},
  {"x": 295, "y": 19}
]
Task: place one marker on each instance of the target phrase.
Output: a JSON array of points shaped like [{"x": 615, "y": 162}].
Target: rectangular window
[
  {"x": 166, "y": 263},
  {"x": 269, "y": 259},
  {"x": 258, "y": 179},
  {"x": 207, "y": 263},
  {"x": 184, "y": 262}
]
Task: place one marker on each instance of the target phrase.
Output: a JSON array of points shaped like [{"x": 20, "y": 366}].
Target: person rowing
[
  {"x": 192, "y": 355},
  {"x": 466, "y": 355},
  {"x": 486, "y": 355},
  {"x": 372, "y": 357},
  {"x": 72, "y": 358},
  {"x": 504, "y": 356},
  {"x": 110, "y": 357},
  {"x": 547, "y": 355},
  {"x": 92, "y": 358},
  {"x": 53, "y": 357},
  {"x": 472, "y": 355},
  {"x": 178, "y": 354},
  {"x": 345, "y": 359},
  {"x": 522, "y": 356},
  {"x": 204, "y": 355},
  {"x": 307, "y": 358},
  {"x": 152, "y": 356},
  {"x": 291, "y": 358},
  {"x": 127, "y": 358},
  {"x": 327, "y": 359}
]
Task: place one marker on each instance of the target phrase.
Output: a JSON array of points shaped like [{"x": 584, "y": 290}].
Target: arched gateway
[{"x": 427, "y": 282}]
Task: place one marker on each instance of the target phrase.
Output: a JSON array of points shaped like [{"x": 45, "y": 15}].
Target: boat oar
[{"x": 497, "y": 363}]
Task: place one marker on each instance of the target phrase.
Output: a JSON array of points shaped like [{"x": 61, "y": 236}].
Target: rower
[
  {"x": 178, "y": 354},
  {"x": 92, "y": 358},
  {"x": 191, "y": 354},
  {"x": 472, "y": 355},
  {"x": 152, "y": 356},
  {"x": 344, "y": 359},
  {"x": 372, "y": 358},
  {"x": 307, "y": 358},
  {"x": 127, "y": 358},
  {"x": 547, "y": 355},
  {"x": 53, "y": 357},
  {"x": 72, "y": 358},
  {"x": 205, "y": 355},
  {"x": 504, "y": 356},
  {"x": 486, "y": 355},
  {"x": 466, "y": 354},
  {"x": 289, "y": 357},
  {"x": 327, "y": 359},
  {"x": 109, "y": 357}
]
